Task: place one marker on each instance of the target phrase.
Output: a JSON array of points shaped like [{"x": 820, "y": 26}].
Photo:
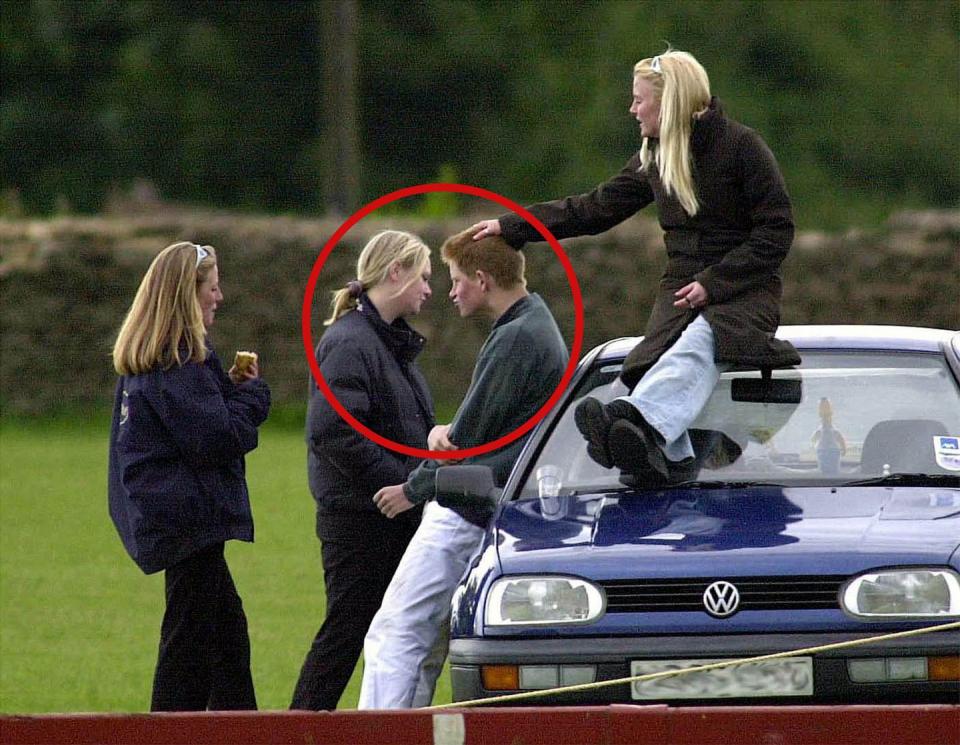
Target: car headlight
[
  {"x": 894, "y": 593},
  {"x": 515, "y": 601}
]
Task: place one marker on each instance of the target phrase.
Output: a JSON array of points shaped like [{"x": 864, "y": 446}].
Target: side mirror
[{"x": 466, "y": 486}]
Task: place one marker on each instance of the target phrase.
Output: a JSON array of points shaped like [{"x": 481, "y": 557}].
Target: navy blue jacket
[
  {"x": 369, "y": 366},
  {"x": 176, "y": 469}
]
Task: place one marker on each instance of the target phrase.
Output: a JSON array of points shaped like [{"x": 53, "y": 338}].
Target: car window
[{"x": 861, "y": 414}]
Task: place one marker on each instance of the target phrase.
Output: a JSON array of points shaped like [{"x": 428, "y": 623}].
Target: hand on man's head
[{"x": 485, "y": 229}]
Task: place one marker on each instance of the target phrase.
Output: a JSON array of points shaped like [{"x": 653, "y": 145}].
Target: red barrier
[{"x": 611, "y": 725}]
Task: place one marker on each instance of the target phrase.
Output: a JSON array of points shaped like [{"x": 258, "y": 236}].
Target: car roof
[{"x": 901, "y": 338}]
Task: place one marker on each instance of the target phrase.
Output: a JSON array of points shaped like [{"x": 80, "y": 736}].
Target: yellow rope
[{"x": 699, "y": 668}]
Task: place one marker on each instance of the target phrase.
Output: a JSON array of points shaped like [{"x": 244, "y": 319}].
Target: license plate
[{"x": 791, "y": 676}]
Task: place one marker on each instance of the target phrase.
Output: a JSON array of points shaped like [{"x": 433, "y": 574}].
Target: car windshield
[{"x": 861, "y": 416}]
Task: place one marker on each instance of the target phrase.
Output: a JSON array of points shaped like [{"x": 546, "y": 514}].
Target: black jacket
[
  {"x": 176, "y": 480},
  {"x": 733, "y": 246},
  {"x": 369, "y": 367}
]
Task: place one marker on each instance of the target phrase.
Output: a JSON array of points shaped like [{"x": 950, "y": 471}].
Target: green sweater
[{"x": 519, "y": 367}]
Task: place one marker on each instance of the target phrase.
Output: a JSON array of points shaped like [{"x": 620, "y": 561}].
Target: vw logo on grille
[{"x": 721, "y": 599}]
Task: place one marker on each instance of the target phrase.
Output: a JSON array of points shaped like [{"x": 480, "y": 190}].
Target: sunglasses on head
[{"x": 202, "y": 252}]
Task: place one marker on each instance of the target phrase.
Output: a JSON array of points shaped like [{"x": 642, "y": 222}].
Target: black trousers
[
  {"x": 204, "y": 658},
  {"x": 356, "y": 574}
]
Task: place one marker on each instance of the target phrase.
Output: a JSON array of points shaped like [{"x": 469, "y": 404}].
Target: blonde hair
[
  {"x": 683, "y": 88},
  {"x": 165, "y": 314},
  {"x": 492, "y": 255},
  {"x": 385, "y": 249}
]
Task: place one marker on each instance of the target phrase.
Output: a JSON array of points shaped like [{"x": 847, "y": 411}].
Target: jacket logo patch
[{"x": 124, "y": 409}]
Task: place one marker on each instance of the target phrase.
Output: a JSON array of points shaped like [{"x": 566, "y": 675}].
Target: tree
[{"x": 340, "y": 116}]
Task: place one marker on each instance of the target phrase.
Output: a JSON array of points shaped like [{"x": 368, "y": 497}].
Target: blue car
[{"x": 823, "y": 507}]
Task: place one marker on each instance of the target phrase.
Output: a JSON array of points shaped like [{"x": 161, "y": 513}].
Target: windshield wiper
[
  {"x": 908, "y": 479},
  {"x": 694, "y": 484}
]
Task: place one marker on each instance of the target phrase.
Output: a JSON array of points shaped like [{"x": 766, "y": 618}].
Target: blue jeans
[{"x": 673, "y": 392}]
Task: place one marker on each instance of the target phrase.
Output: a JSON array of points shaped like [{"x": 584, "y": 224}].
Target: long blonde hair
[
  {"x": 684, "y": 91},
  {"x": 165, "y": 313},
  {"x": 381, "y": 252}
]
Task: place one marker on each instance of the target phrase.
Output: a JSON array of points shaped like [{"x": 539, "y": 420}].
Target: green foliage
[
  {"x": 81, "y": 622},
  {"x": 197, "y": 98},
  {"x": 442, "y": 204},
  {"x": 220, "y": 103},
  {"x": 65, "y": 285}
]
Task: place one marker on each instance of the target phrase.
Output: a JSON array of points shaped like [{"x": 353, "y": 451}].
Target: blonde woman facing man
[{"x": 367, "y": 358}]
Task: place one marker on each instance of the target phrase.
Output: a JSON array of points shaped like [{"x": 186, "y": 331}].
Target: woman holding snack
[
  {"x": 177, "y": 486},
  {"x": 366, "y": 357}
]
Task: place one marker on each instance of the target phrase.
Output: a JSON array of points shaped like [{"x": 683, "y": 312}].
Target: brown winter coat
[{"x": 733, "y": 246}]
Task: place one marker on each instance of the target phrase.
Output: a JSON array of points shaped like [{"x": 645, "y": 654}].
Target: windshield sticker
[
  {"x": 947, "y": 451},
  {"x": 944, "y": 499}
]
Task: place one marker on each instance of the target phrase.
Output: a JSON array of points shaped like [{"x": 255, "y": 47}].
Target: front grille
[{"x": 756, "y": 593}]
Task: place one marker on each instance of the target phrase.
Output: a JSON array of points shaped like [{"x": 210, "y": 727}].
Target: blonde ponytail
[{"x": 381, "y": 252}]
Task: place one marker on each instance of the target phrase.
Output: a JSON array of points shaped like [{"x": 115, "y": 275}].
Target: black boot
[
  {"x": 594, "y": 423},
  {"x": 633, "y": 448}
]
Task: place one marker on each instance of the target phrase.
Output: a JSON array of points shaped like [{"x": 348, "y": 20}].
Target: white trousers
[{"x": 406, "y": 644}]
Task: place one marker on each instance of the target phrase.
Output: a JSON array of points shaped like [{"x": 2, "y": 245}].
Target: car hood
[{"x": 755, "y": 530}]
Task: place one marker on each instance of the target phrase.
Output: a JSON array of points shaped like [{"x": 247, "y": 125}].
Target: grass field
[{"x": 79, "y": 622}]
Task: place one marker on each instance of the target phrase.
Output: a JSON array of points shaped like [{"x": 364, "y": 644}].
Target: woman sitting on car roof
[{"x": 728, "y": 226}]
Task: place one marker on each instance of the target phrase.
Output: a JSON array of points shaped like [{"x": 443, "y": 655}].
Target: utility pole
[{"x": 339, "y": 115}]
